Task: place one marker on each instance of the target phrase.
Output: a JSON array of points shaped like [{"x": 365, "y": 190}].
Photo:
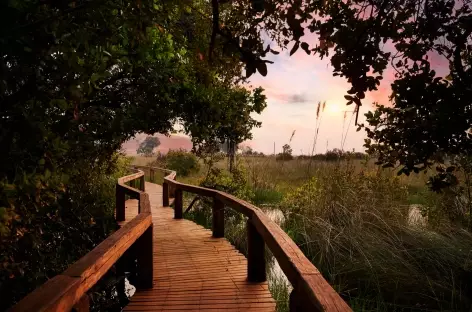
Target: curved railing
[
  {"x": 311, "y": 292},
  {"x": 131, "y": 245}
]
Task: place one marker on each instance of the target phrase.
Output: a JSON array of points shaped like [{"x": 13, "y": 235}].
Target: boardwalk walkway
[{"x": 192, "y": 270}]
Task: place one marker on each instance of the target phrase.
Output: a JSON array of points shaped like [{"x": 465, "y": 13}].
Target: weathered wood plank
[
  {"x": 196, "y": 271},
  {"x": 191, "y": 188},
  {"x": 96, "y": 263},
  {"x": 130, "y": 177},
  {"x": 60, "y": 293}
]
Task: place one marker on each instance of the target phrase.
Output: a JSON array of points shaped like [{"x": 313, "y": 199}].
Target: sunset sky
[{"x": 294, "y": 86}]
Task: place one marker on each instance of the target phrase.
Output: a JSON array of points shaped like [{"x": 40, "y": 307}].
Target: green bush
[
  {"x": 284, "y": 156},
  {"x": 182, "y": 161},
  {"x": 69, "y": 217}
]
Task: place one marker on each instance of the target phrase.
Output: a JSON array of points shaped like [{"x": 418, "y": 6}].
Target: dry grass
[{"x": 139, "y": 160}]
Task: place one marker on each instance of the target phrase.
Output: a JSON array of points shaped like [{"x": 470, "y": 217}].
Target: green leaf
[
  {"x": 305, "y": 47},
  {"x": 295, "y": 48},
  {"x": 262, "y": 68}
]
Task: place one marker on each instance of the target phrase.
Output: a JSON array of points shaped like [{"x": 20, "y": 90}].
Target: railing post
[
  {"x": 132, "y": 183},
  {"x": 165, "y": 194},
  {"x": 178, "y": 204},
  {"x": 121, "y": 268},
  {"x": 120, "y": 203},
  {"x": 298, "y": 303},
  {"x": 218, "y": 221},
  {"x": 144, "y": 258},
  {"x": 256, "y": 255},
  {"x": 142, "y": 185},
  {"x": 151, "y": 175},
  {"x": 144, "y": 204}
]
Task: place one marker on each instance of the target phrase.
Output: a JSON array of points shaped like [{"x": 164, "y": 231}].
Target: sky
[{"x": 294, "y": 85}]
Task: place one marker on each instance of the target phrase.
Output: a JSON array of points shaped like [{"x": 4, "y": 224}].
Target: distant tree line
[{"x": 334, "y": 155}]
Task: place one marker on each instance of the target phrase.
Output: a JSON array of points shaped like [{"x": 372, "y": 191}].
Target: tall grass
[
  {"x": 353, "y": 225},
  {"x": 351, "y": 219}
]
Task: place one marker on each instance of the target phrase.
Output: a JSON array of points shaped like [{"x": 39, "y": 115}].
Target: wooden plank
[
  {"x": 131, "y": 177},
  {"x": 191, "y": 188},
  {"x": 195, "y": 271},
  {"x": 96, "y": 263},
  {"x": 301, "y": 273},
  {"x": 57, "y": 294},
  {"x": 128, "y": 190},
  {"x": 237, "y": 204}
]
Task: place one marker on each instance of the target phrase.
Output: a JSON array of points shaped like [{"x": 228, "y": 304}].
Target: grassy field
[{"x": 353, "y": 221}]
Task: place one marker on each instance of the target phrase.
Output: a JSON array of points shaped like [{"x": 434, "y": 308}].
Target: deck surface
[{"x": 192, "y": 270}]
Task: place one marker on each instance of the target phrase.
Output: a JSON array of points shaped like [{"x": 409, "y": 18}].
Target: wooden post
[
  {"x": 165, "y": 194},
  {"x": 142, "y": 183},
  {"x": 121, "y": 265},
  {"x": 132, "y": 183},
  {"x": 120, "y": 203},
  {"x": 151, "y": 175},
  {"x": 144, "y": 204},
  {"x": 83, "y": 305},
  {"x": 255, "y": 255},
  {"x": 144, "y": 258},
  {"x": 299, "y": 303},
  {"x": 218, "y": 218},
  {"x": 178, "y": 204}
]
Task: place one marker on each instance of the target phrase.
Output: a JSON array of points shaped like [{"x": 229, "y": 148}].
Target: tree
[
  {"x": 248, "y": 151},
  {"x": 230, "y": 117},
  {"x": 77, "y": 79},
  {"x": 286, "y": 149},
  {"x": 286, "y": 153},
  {"x": 148, "y": 145},
  {"x": 429, "y": 116}
]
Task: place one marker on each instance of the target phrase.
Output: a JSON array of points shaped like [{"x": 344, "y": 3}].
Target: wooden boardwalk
[{"x": 192, "y": 270}]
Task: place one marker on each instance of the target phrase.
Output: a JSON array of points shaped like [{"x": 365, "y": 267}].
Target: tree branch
[{"x": 216, "y": 27}]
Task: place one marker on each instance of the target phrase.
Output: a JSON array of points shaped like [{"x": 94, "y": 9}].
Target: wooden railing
[
  {"x": 311, "y": 292},
  {"x": 130, "y": 248}
]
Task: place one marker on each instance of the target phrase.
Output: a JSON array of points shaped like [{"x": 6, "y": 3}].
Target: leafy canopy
[
  {"x": 77, "y": 79},
  {"x": 429, "y": 115}
]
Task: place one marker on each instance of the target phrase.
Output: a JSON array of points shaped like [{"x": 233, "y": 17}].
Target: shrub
[
  {"x": 182, "y": 161},
  {"x": 44, "y": 241},
  {"x": 284, "y": 156},
  {"x": 354, "y": 227}
]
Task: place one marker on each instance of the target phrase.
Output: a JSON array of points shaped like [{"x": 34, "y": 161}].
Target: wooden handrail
[
  {"x": 68, "y": 290},
  {"x": 311, "y": 292}
]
